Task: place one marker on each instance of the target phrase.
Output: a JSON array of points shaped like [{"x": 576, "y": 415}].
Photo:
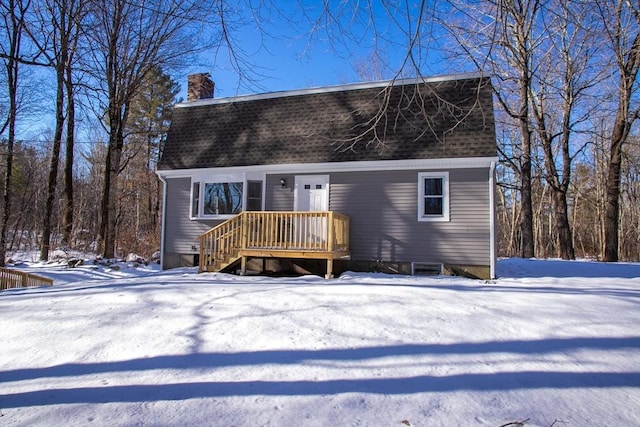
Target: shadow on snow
[{"x": 418, "y": 384}]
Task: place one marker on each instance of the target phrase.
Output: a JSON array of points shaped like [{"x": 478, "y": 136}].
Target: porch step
[{"x": 224, "y": 260}]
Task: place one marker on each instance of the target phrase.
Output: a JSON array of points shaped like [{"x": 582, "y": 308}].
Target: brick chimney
[{"x": 199, "y": 86}]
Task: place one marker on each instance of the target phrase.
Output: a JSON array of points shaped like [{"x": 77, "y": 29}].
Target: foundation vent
[{"x": 425, "y": 269}]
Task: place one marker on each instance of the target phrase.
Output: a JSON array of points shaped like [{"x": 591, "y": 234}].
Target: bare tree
[
  {"x": 139, "y": 197},
  {"x": 55, "y": 31},
  {"x": 29, "y": 167},
  {"x": 129, "y": 39},
  {"x": 500, "y": 36},
  {"x": 13, "y": 24},
  {"x": 75, "y": 11},
  {"x": 508, "y": 206},
  {"x": 630, "y": 200},
  {"x": 560, "y": 102},
  {"x": 620, "y": 20}
]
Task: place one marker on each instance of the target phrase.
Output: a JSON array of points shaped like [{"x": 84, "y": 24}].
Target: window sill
[
  {"x": 433, "y": 219},
  {"x": 212, "y": 217}
]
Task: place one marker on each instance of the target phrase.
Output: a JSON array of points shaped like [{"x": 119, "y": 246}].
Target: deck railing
[
  {"x": 322, "y": 232},
  {"x": 18, "y": 279}
]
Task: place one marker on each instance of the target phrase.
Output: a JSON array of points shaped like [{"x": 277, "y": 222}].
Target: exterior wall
[
  {"x": 276, "y": 197},
  {"x": 383, "y": 209},
  {"x": 181, "y": 232},
  {"x": 384, "y": 217}
]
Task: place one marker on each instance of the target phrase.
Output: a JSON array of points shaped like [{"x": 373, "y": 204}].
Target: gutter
[{"x": 492, "y": 221}]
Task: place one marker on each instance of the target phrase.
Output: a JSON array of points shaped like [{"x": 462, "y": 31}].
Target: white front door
[{"x": 311, "y": 194}]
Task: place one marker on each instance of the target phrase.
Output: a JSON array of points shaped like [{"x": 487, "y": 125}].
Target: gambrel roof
[{"x": 446, "y": 117}]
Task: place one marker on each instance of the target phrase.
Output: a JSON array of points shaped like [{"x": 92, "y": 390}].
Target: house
[{"x": 388, "y": 176}]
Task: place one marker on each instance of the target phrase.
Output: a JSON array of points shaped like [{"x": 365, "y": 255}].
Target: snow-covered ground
[{"x": 550, "y": 342}]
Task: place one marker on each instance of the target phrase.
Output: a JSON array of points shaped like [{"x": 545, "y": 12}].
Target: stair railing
[{"x": 219, "y": 241}]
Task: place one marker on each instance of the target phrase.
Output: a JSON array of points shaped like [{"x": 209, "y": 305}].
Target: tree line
[
  {"x": 108, "y": 59},
  {"x": 565, "y": 78},
  {"x": 566, "y": 84}
]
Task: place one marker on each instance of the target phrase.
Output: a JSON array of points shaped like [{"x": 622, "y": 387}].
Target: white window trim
[
  {"x": 204, "y": 179},
  {"x": 192, "y": 214},
  {"x": 445, "y": 196}
]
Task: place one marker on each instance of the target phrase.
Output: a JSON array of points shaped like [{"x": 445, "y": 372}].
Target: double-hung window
[
  {"x": 195, "y": 199},
  {"x": 433, "y": 196},
  {"x": 254, "y": 196}
]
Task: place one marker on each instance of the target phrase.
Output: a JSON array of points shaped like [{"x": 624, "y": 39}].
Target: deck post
[
  {"x": 331, "y": 238},
  {"x": 329, "y": 269},
  {"x": 330, "y": 245},
  {"x": 244, "y": 240},
  {"x": 243, "y": 265},
  {"x": 201, "y": 260}
]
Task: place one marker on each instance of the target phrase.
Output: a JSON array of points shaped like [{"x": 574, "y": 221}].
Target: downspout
[
  {"x": 163, "y": 220},
  {"x": 492, "y": 221}
]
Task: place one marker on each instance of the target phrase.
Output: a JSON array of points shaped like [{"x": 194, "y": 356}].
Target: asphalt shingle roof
[{"x": 438, "y": 119}]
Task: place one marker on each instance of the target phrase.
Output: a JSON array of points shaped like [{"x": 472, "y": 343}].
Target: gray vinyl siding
[
  {"x": 384, "y": 218},
  {"x": 278, "y": 198},
  {"x": 181, "y": 232},
  {"x": 383, "y": 209}
]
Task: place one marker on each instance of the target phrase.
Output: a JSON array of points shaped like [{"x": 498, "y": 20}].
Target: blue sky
[
  {"x": 286, "y": 56},
  {"x": 281, "y": 54}
]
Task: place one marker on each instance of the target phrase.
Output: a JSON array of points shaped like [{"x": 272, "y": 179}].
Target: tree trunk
[
  {"x": 628, "y": 63},
  {"x": 67, "y": 217},
  {"x": 612, "y": 202},
  {"x": 521, "y": 34},
  {"x": 53, "y": 165},
  {"x": 109, "y": 217},
  {"x": 6, "y": 190},
  {"x": 526, "y": 216},
  {"x": 11, "y": 65},
  {"x": 559, "y": 227},
  {"x": 103, "y": 247},
  {"x": 565, "y": 240}
]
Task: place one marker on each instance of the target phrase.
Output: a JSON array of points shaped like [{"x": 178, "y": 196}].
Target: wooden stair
[{"x": 225, "y": 261}]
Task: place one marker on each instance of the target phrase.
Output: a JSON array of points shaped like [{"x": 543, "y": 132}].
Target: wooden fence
[{"x": 18, "y": 279}]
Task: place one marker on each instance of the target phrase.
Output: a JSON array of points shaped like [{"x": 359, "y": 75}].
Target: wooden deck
[
  {"x": 311, "y": 235},
  {"x": 18, "y": 279}
]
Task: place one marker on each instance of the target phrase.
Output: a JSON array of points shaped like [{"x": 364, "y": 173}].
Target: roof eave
[{"x": 355, "y": 166}]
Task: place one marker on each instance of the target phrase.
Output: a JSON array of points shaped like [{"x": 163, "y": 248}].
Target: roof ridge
[{"x": 332, "y": 88}]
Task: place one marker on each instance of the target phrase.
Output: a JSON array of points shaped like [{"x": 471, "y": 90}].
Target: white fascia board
[
  {"x": 358, "y": 166},
  {"x": 327, "y": 89}
]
